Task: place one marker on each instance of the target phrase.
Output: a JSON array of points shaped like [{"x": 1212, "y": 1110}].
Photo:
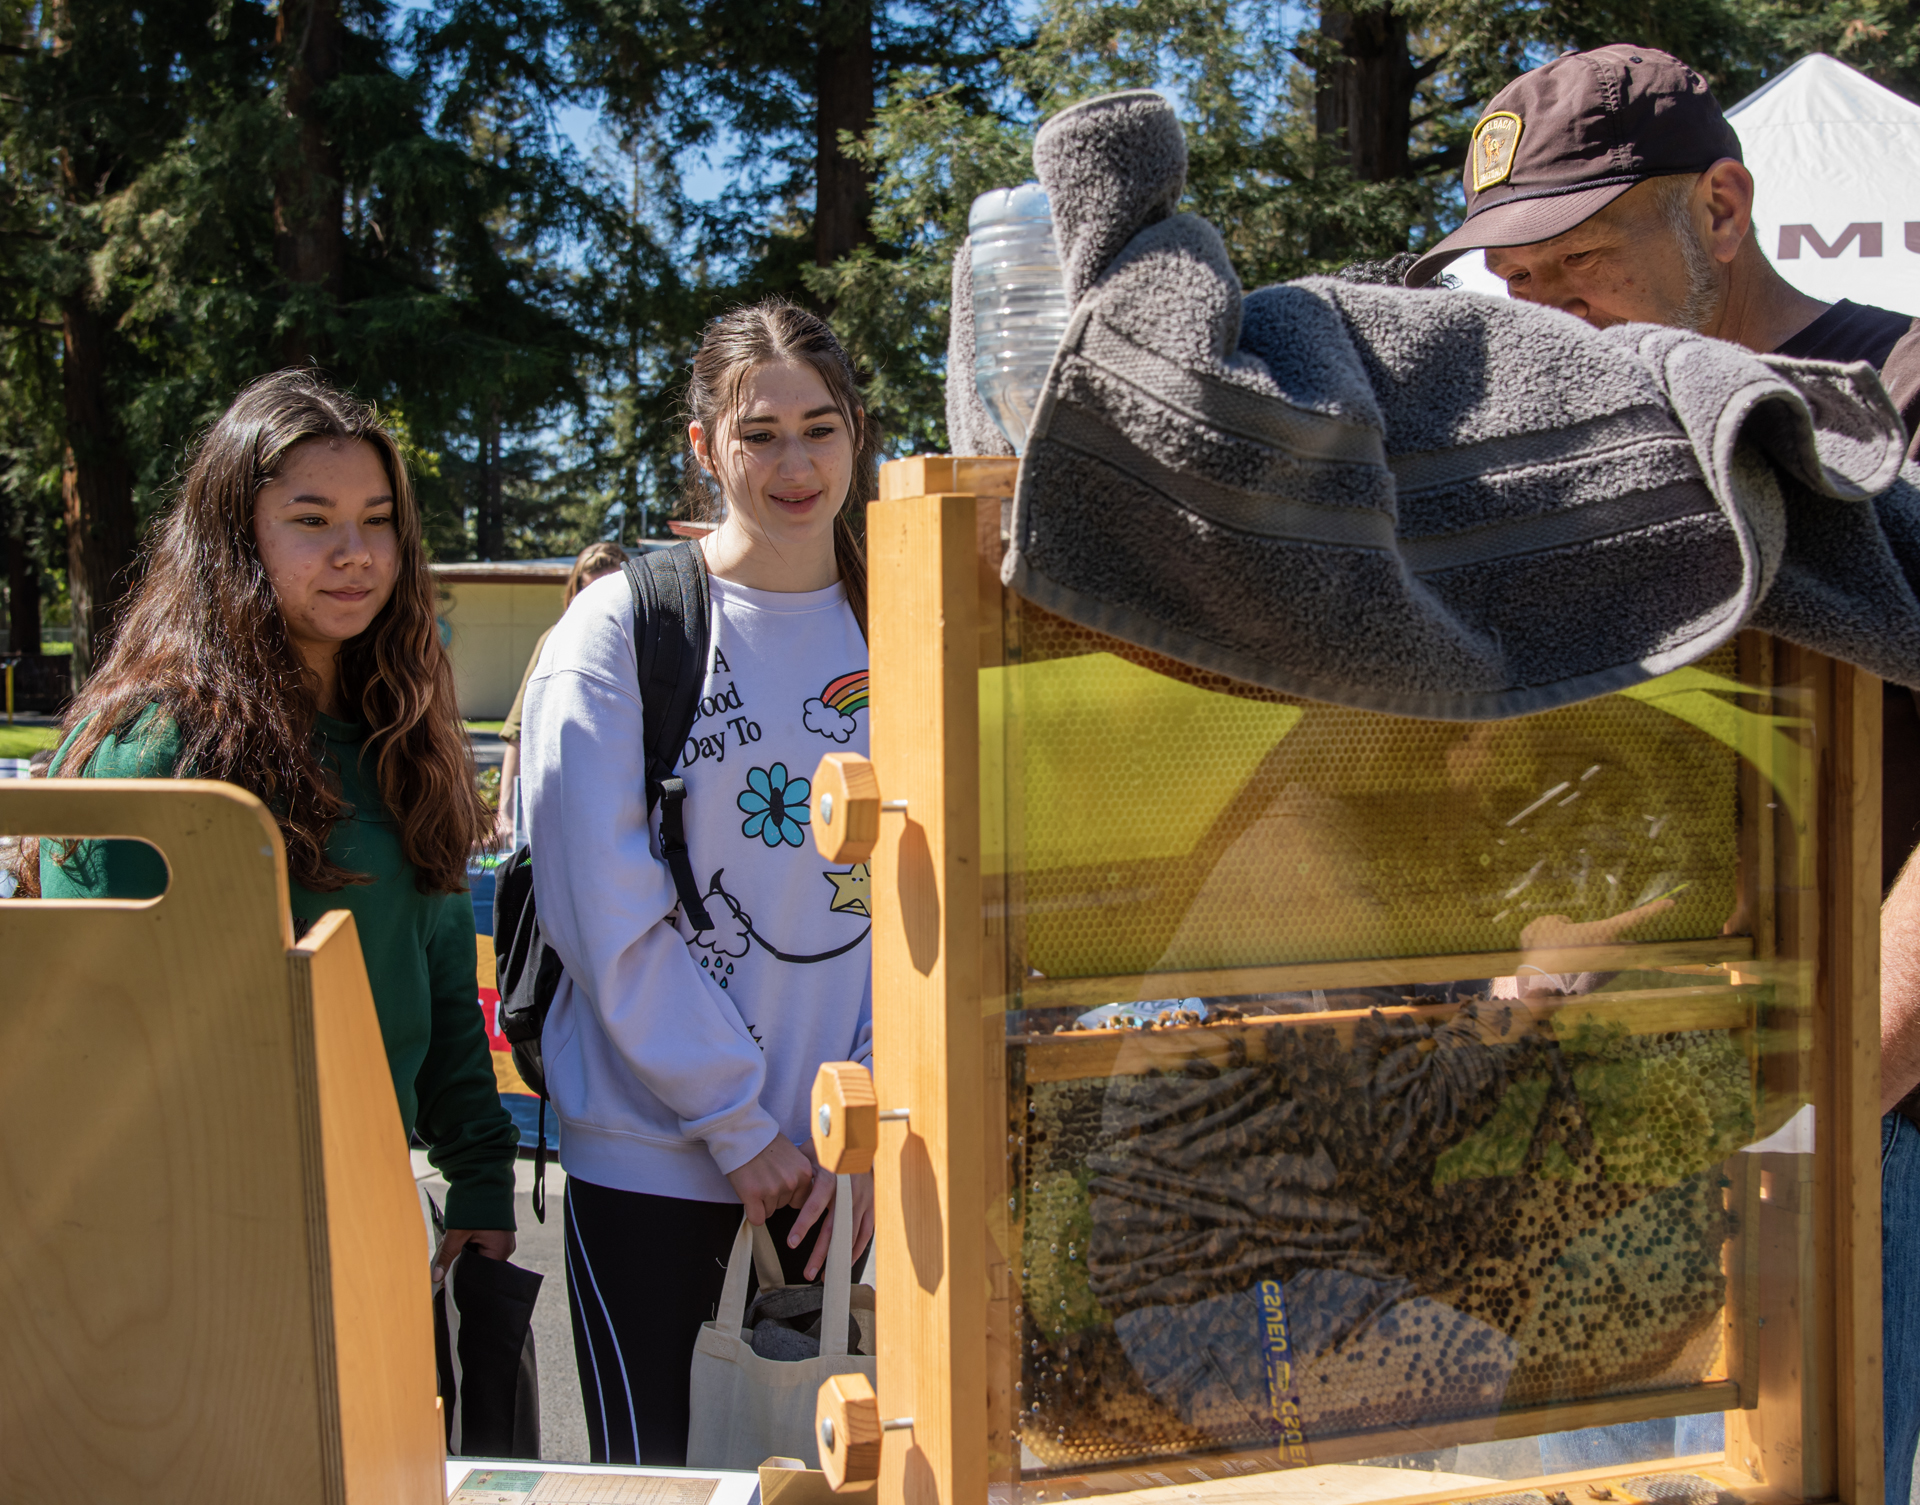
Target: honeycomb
[
  {"x": 1463, "y": 1217},
  {"x": 1682, "y": 1489},
  {"x": 1152, "y": 817}
]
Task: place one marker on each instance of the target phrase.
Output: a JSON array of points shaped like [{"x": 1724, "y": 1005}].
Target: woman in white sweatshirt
[{"x": 680, "y": 1062}]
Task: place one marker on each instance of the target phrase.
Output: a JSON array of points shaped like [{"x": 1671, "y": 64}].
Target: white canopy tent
[{"x": 1836, "y": 166}]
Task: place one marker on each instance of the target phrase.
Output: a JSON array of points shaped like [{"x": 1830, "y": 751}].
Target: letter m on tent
[{"x": 1792, "y": 235}]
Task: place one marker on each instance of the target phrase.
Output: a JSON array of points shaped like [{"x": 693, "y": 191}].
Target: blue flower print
[{"x": 776, "y": 806}]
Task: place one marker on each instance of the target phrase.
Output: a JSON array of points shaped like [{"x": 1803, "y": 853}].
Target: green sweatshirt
[{"x": 418, "y": 947}]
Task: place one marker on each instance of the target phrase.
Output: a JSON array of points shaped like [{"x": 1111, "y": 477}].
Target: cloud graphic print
[
  {"x": 831, "y": 712},
  {"x": 728, "y": 941}
]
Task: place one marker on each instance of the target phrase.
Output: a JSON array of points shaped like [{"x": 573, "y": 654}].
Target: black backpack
[{"x": 671, "y": 633}]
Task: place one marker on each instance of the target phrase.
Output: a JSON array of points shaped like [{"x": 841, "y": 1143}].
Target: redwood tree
[
  {"x": 96, "y": 100},
  {"x": 309, "y": 240},
  {"x": 781, "y": 82},
  {"x": 96, "y": 482},
  {"x": 844, "y": 81}
]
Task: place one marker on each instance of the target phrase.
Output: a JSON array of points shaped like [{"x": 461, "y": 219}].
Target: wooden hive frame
[
  {"x": 1803, "y": 1382},
  {"x": 211, "y": 1249}
]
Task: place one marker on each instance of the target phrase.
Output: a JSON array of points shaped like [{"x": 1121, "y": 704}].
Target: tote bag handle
[{"x": 838, "y": 1304}]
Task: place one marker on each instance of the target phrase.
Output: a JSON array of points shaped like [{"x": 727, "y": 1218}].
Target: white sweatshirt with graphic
[{"x": 672, "y": 1057}]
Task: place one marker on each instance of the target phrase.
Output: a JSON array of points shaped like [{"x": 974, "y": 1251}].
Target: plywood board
[
  {"x": 391, "y": 1434},
  {"x": 164, "y": 1339},
  {"x": 205, "y": 1200}
]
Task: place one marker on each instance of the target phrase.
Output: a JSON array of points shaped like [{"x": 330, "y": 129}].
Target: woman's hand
[
  {"x": 779, "y": 1176},
  {"x": 489, "y": 1243},
  {"x": 819, "y": 1204}
]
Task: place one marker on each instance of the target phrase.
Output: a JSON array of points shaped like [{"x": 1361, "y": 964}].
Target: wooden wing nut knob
[
  {"x": 846, "y": 808},
  {"x": 846, "y": 1119},
  {"x": 846, "y": 1428}
]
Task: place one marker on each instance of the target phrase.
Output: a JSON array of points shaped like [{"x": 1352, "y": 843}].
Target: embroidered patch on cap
[{"x": 1495, "y": 139}]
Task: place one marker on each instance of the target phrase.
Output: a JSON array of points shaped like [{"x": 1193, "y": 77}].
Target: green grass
[
  {"x": 57, "y": 649},
  {"x": 25, "y": 741},
  {"x": 484, "y": 726}
]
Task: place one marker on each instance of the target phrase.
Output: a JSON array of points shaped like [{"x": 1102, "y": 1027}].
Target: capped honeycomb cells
[{"x": 1543, "y": 1233}]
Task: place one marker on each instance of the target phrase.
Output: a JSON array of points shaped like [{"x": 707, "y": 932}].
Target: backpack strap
[{"x": 671, "y": 631}]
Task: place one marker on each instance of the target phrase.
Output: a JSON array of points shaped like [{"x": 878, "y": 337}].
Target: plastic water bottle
[{"x": 1019, "y": 303}]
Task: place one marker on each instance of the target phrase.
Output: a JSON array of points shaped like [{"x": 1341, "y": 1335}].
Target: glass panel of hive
[
  {"x": 1265, "y": 1212},
  {"x": 1160, "y": 819}
]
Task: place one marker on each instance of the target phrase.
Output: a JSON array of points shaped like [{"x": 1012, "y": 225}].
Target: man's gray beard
[{"x": 1701, "y": 306}]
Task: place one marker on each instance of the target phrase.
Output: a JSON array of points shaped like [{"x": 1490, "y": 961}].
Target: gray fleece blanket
[
  {"x": 970, "y": 427},
  {"x": 1427, "y": 503}
]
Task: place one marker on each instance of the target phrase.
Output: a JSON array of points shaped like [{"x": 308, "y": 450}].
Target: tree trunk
[
  {"x": 843, "y": 96},
  {"x": 96, "y": 485},
  {"x": 309, "y": 244},
  {"x": 1365, "y": 99},
  {"x": 490, "y": 526},
  {"x": 23, "y": 584}
]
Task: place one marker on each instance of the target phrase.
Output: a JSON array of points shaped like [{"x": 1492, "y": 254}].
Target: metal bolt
[
  {"x": 826, "y": 809},
  {"x": 826, "y": 1434},
  {"x": 826, "y": 1119}
]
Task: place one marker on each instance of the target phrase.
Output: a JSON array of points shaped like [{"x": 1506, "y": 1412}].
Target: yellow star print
[{"x": 850, "y": 890}]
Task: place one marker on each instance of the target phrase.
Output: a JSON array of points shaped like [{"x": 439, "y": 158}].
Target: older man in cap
[{"x": 1608, "y": 184}]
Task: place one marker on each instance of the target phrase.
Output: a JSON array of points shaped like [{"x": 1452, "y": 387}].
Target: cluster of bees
[
  {"x": 1464, "y": 1219},
  {"x": 1148, "y": 1018}
]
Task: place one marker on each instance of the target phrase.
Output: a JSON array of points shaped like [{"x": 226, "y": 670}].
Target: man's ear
[{"x": 1725, "y": 193}]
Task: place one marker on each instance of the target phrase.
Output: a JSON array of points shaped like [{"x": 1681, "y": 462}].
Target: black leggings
[{"x": 643, "y": 1273}]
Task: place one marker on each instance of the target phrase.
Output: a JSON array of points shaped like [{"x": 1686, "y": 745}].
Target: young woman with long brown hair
[
  {"x": 282, "y": 638},
  {"x": 680, "y": 1061}
]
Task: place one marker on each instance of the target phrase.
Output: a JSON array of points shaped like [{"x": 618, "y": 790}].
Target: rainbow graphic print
[
  {"x": 847, "y": 694},
  {"x": 831, "y": 712}
]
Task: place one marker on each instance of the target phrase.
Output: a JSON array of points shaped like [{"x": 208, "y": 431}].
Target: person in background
[
  {"x": 1901, "y": 374},
  {"x": 1608, "y": 184},
  {"x": 594, "y": 561},
  {"x": 679, "y": 1061},
  {"x": 282, "y": 638}
]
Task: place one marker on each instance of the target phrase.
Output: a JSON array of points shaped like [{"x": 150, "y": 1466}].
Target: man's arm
[
  {"x": 1900, "y": 988},
  {"x": 1901, "y": 377}
]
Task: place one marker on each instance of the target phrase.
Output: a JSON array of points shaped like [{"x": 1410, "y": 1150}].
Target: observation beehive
[{"x": 1261, "y": 1083}]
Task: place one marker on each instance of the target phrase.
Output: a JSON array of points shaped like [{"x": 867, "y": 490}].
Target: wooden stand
[
  {"x": 1801, "y": 1380},
  {"x": 211, "y": 1251}
]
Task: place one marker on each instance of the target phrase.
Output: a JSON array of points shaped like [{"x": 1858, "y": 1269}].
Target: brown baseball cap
[{"x": 1562, "y": 142}]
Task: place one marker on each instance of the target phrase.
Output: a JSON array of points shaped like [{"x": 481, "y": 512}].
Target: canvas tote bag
[{"x": 743, "y": 1407}]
